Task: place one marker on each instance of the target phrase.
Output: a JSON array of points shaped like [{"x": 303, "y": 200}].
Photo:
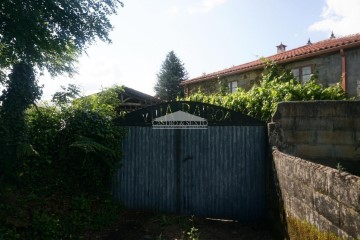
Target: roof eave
[
  {"x": 222, "y": 75},
  {"x": 288, "y": 60},
  {"x": 318, "y": 53}
]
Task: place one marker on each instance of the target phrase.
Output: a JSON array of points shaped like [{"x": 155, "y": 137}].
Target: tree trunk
[{"x": 21, "y": 91}]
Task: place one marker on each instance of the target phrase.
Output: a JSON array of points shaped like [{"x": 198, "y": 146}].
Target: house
[{"x": 334, "y": 60}]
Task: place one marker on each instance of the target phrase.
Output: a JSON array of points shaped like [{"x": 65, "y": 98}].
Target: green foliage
[
  {"x": 223, "y": 86},
  {"x": 89, "y": 149},
  {"x": 78, "y": 149},
  {"x": 277, "y": 85},
  {"x": 51, "y": 34},
  {"x": 104, "y": 102},
  {"x": 66, "y": 95},
  {"x": 21, "y": 91},
  {"x": 64, "y": 180},
  {"x": 44, "y": 35},
  {"x": 45, "y": 226},
  {"x": 172, "y": 72},
  {"x": 193, "y": 234}
]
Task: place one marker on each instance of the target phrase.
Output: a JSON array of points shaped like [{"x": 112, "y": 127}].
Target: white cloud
[
  {"x": 340, "y": 16},
  {"x": 205, "y": 6},
  {"x": 93, "y": 75},
  {"x": 174, "y": 10}
]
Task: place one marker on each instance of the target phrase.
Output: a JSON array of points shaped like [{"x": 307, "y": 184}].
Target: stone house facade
[{"x": 335, "y": 60}]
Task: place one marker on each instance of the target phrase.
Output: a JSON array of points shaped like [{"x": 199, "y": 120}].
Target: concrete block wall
[
  {"x": 320, "y": 195},
  {"x": 327, "y": 132},
  {"x": 310, "y": 140}
]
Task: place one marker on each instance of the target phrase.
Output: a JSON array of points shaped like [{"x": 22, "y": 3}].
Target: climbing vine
[{"x": 277, "y": 85}]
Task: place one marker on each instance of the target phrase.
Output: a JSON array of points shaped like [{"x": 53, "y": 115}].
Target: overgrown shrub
[
  {"x": 89, "y": 152},
  {"x": 63, "y": 185},
  {"x": 77, "y": 146},
  {"x": 277, "y": 85}
]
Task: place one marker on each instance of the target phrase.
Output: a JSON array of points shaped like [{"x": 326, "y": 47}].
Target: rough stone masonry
[{"x": 314, "y": 143}]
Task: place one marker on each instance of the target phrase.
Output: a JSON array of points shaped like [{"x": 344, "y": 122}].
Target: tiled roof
[
  {"x": 139, "y": 95},
  {"x": 311, "y": 50}
]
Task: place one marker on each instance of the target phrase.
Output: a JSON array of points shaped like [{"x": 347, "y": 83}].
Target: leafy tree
[
  {"x": 42, "y": 35},
  {"x": 172, "y": 72},
  {"x": 66, "y": 94},
  {"x": 51, "y": 34}
]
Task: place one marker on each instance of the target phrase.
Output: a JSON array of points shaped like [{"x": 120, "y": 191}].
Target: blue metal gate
[{"x": 214, "y": 172}]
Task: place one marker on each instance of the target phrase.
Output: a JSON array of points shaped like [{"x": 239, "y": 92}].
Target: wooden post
[{"x": 343, "y": 69}]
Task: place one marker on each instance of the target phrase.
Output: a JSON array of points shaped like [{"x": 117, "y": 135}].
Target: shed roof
[{"x": 139, "y": 95}]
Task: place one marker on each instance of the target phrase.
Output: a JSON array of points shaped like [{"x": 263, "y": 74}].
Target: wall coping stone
[{"x": 350, "y": 108}]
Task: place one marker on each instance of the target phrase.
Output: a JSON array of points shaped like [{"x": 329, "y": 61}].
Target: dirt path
[{"x": 136, "y": 225}]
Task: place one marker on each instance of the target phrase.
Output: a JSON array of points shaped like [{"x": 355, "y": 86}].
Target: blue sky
[{"x": 207, "y": 35}]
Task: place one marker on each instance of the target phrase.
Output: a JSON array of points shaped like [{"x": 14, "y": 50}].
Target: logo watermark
[{"x": 179, "y": 120}]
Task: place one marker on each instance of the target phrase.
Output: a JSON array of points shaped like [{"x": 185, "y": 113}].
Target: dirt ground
[{"x": 138, "y": 225}]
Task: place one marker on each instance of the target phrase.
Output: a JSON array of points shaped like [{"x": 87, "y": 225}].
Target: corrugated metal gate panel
[
  {"x": 223, "y": 174},
  {"x": 218, "y": 172},
  {"x": 146, "y": 180}
]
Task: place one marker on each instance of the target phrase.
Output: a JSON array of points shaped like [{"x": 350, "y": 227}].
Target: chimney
[
  {"x": 281, "y": 48},
  {"x": 332, "y": 35},
  {"x": 309, "y": 42}
]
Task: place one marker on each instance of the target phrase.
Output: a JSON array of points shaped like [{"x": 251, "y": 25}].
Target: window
[
  {"x": 296, "y": 73},
  {"x": 302, "y": 74},
  {"x": 233, "y": 86}
]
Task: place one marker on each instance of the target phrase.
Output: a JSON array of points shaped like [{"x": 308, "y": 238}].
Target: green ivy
[{"x": 21, "y": 90}]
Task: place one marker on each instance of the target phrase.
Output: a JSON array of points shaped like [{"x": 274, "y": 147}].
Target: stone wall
[
  {"x": 244, "y": 80},
  {"x": 304, "y": 134},
  {"x": 320, "y": 195},
  {"x": 328, "y": 67},
  {"x": 207, "y": 87}
]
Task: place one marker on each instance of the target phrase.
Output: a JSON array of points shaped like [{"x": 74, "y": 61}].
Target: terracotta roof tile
[{"x": 311, "y": 50}]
